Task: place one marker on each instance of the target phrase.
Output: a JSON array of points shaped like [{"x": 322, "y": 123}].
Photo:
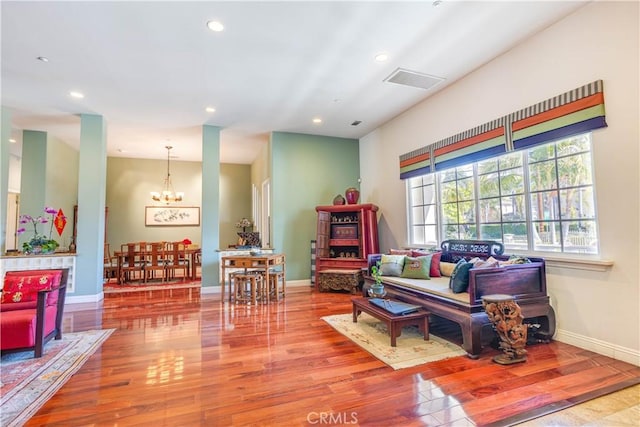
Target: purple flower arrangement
[{"x": 39, "y": 243}]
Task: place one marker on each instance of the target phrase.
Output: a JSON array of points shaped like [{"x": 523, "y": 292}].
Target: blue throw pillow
[
  {"x": 460, "y": 278},
  {"x": 460, "y": 262}
]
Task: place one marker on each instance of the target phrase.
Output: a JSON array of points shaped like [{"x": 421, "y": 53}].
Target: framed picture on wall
[{"x": 171, "y": 216}]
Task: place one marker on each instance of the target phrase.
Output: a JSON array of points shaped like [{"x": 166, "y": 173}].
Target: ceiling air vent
[{"x": 413, "y": 78}]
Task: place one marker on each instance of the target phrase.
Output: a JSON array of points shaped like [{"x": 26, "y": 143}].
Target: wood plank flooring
[{"x": 181, "y": 359}]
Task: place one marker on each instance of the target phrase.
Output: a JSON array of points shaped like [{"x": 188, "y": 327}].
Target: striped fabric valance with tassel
[{"x": 580, "y": 110}]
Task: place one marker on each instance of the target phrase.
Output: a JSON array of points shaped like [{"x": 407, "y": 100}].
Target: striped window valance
[{"x": 571, "y": 113}]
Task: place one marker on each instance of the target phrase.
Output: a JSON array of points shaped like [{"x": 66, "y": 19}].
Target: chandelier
[{"x": 167, "y": 195}]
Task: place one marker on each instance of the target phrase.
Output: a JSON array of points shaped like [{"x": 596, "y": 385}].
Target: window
[{"x": 540, "y": 199}]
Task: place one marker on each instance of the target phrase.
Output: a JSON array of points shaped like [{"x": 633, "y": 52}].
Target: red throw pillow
[
  {"x": 435, "y": 261},
  {"x": 23, "y": 286},
  {"x": 435, "y": 265}
]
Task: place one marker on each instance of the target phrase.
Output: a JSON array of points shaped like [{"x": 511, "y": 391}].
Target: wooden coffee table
[{"x": 394, "y": 323}]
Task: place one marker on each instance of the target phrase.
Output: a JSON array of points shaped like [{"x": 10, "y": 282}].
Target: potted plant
[
  {"x": 377, "y": 289},
  {"x": 39, "y": 243}
]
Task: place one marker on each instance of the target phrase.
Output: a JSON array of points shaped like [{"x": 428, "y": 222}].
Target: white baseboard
[
  {"x": 298, "y": 283},
  {"x": 83, "y": 302},
  {"x": 598, "y": 346},
  {"x": 209, "y": 290}
]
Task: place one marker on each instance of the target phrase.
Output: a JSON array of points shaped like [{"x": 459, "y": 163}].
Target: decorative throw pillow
[
  {"x": 460, "y": 263},
  {"x": 435, "y": 260},
  {"x": 391, "y": 265},
  {"x": 400, "y": 252},
  {"x": 460, "y": 279},
  {"x": 446, "y": 268},
  {"x": 487, "y": 263},
  {"x": 416, "y": 267},
  {"x": 24, "y": 287},
  {"x": 435, "y": 264}
]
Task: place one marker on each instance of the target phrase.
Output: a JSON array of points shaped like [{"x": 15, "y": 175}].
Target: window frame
[{"x": 533, "y": 245}]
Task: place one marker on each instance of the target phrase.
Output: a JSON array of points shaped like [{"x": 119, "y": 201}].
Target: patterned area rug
[
  {"x": 411, "y": 348},
  {"x": 113, "y": 288},
  {"x": 27, "y": 383}
]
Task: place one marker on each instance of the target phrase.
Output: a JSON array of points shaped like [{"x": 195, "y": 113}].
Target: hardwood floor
[{"x": 181, "y": 359}]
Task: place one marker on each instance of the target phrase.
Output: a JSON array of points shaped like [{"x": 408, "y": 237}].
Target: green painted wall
[
  {"x": 235, "y": 200},
  {"x": 307, "y": 171},
  {"x": 129, "y": 182},
  {"x": 33, "y": 180},
  {"x": 50, "y": 178},
  {"x": 62, "y": 184}
]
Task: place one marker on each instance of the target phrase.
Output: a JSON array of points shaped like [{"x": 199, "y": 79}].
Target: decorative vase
[
  {"x": 352, "y": 194},
  {"x": 338, "y": 200}
]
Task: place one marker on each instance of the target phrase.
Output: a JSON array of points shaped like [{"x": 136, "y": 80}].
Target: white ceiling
[{"x": 151, "y": 68}]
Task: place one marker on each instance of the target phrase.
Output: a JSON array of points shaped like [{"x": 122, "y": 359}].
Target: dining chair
[
  {"x": 110, "y": 264},
  {"x": 132, "y": 262},
  {"x": 197, "y": 262},
  {"x": 177, "y": 260},
  {"x": 155, "y": 261}
]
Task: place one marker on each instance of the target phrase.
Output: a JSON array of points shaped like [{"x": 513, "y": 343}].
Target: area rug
[
  {"x": 27, "y": 383},
  {"x": 112, "y": 288},
  {"x": 411, "y": 348}
]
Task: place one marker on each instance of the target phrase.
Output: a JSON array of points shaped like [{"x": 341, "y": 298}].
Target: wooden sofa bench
[
  {"x": 31, "y": 309},
  {"x": 525, "y": 282}
]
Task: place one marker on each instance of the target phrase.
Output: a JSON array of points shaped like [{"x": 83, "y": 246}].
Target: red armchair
[{"x": 31, "y": 309}]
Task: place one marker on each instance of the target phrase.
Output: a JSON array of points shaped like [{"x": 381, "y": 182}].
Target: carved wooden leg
[
  {"x": 394, "y": 331},
  {"x": 472, "y": 337},
  {"x": 506, "y": 316}
]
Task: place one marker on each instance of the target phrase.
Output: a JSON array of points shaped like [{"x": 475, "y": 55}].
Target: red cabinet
[{"x": 346, "y": 235}]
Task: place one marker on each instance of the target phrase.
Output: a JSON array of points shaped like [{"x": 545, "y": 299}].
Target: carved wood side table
[
  {"x": 340, "y": 280},
  {"x": 506, "y": 316}
]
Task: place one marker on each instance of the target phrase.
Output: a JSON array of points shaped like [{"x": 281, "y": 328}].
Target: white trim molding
[{"x": 617, "y": 352}]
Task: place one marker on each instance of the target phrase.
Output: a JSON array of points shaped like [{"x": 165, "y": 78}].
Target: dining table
[
  {"x": 190, "y": 252},
  {"x": 264, "y": 263}
]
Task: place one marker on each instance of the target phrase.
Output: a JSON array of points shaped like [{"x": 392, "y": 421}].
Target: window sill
[{"x": 589, "y": 264}]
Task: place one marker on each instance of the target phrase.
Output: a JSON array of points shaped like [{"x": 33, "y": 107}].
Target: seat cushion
[{"x": 18, "y": 327}]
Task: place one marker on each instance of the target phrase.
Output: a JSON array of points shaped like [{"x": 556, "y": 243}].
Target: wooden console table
[{"x": 263, "y": 262}]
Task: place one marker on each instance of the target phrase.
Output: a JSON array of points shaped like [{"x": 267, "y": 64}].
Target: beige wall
[{"x": 596, "y": 310}]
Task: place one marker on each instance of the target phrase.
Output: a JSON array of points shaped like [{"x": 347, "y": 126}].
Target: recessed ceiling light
[
  {"x": 210, "y": 110},
  {"x": 42, "y": 58},
  {"x": 215, "y": 26},
  {"x": 76, "y": 94},
  {"x": 317, "y": 120},
  {"x": 12, "y": 140},
  {"x": 381, "y": 57}
]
